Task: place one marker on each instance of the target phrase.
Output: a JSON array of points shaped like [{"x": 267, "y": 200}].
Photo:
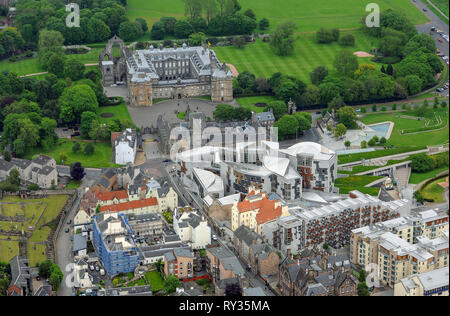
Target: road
[
  {"x": 64, "y": 245},
  {"x": 434, "y": 21}
]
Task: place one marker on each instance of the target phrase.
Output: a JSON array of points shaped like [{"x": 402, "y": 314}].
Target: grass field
[
  {"x": 419, "y": 177},
  {"x": 8, "y": 249},
  {"x": 51, "y": 206},
  {"x": 31, "y": 65},
  {"x": 416, "y": 139},
  {"x": 100, "y": 159},
  {"x": 249, "y": 102},
  {"x": 259, "y": 59},
  {"x": 351, "y": 183},
  {"x": 433, "y": 191},
  {"x": 155, "y": 280},
  {"x": 442, "y": 5},
  {"x": 119, "y": 111},
  {"x": 308, "y": 15}
]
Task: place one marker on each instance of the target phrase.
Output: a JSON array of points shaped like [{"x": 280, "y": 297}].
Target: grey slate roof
[
  {"x": 145, "y": 290},
  {"x": 5, "y": 165},
  {"x": 79, "y": 242},
  {"x": 44, "y": 290},
  {"x": 46, "y": 170},
  {"x": 21, "y": 163},
  {"x": 20, "y": 271},
  {"x": 42, "y": 160},
  {"x": 316, "y": 289},
  {"x": 183, "y": 252},
  {"x": 246, "y": 235}
]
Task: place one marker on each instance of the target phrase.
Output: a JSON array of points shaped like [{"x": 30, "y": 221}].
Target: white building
[
  {"x": 287, "y": 172},
  {"x": 433, "y": 283},
  {"x": 208, "y": 183},
  {"x": 125, "y": 147},
  {"x": 192, "y": 227}
]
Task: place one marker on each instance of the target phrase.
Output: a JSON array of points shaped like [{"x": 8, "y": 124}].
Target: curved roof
[{"x": 317, "y": 150}]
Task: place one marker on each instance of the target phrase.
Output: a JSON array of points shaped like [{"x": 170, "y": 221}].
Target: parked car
[
  {"x": 97, "y": 268},
  {"x": 214, "y": 237},
  {"x": 91, "y": 267},
  {"x": 69, "y": 222},
  {"x": 102, "y": 272},
  {"x": 67, "y": 230}
]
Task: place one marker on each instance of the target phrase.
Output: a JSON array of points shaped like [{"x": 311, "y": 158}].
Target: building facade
[{"x": 176, "y": 72}]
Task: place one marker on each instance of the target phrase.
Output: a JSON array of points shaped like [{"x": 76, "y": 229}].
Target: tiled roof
[
  {"x": 109, "y": 196},
  {"x": 130, "y": 205},
  {"x": 267, "y": 210}
]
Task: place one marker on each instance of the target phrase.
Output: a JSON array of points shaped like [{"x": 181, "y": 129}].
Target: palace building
[{"x": 158, "y": 73}]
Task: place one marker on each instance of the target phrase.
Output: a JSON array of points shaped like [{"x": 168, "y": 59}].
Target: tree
[
  {"x": 348, "y": 40},
  {"x": 169, "y": 24},
  {"x": 347, "y": 116},
  {"x": 250, "y": 14},
  {"x": 318, "y": 74},
  {"x": 383, "y": 140},
  {"x": 287, "y": 126},
  {"x": 279, "y": 108},
  {"x": 158, "y": 31},
  {"x": 239, "y": 41},
  {"x": 196, "y": 39},
  {"x": 45, "y": 268},
  {"x": 13, "y": 177},
  {"x": 56, "y": 276},
  {"x": 89, "y": 149},
  {"x": 347, "y": 143},
  {"x": 86, "y": 122},
  {"x": 421, "y": 163},
  {"x": 192, "y": 8},
  {"x": 211, "y": 9},
  {"x": 77, "y": 171},
  {"x": 7, "y": 155},
  {"x": 233, "y": 290},
  {"x": 363, "y": 144},
  {"x": 443, "y": 104},
  {"x": 282, "y": 39},
  {"x": 304, "y": 123},
  {"x": 128, "y": 31},
  {"x": 74, "y": 69},
  {"x": 75, "y": 100},
  {"x": 346, "y": 63},
  {"x": 419, "y": 197},
  {"x": 76, "y": 147},
  {"x": 263, "y": 24},
  {"x": 340, "y": 130},
  {"x": 324, "y": 36},
  {"x": 182, "y": 29},
  {"x": 171, "y": 283}
]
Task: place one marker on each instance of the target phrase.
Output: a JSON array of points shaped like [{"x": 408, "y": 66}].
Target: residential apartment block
[
  {"x": 331, "y": 223},
  {"x": 125, "y": 146},
  {"x": 114, "y": 243},
  {"x": 179, "y": 262},
  {"x": 433, "y": 283}
]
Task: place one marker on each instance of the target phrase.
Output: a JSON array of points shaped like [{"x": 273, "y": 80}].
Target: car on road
[
  {"x": 69, "y": 222},
  {"x": 425, "y": 9},
  {"x": 91, "y": 267},
  {"x": 440, "y": 40},
  {"x": 67, "y": 230},
  {"x": 214, "y": 237},
  {"x": 97, "y": 268}
]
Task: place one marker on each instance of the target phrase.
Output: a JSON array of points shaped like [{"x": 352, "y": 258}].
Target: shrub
[{"x": 374, "y": 108}]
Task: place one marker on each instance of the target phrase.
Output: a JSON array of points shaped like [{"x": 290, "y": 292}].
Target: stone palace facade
[{"x": 163, "y": 73}]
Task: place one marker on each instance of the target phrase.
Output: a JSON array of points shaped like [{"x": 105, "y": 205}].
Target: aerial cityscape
[{"x": 224, "y": 148}]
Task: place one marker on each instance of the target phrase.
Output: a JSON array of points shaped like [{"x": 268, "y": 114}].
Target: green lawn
[
  {"x": 119, "y": 111},
  {"x": 418, "y": 139},
  {"x": 433, "y": 191},
  {"x": 73, "y": 184},
  {"x": 100, "y": 159},
  {"x": 442, "y": 5},
  {"x": 308, "y": 15},
  {"x": 249, "y": 102},
  {"x": 351, "y": 183},
  {"x": 259, "y": 59},
  {"x": 155, "y": 280},
  {"x": 342, "y": 159},
  {"x": 8, "y": 249},
  {"x": 419, "y": 177},
  {"x": 31, "y": 65}
]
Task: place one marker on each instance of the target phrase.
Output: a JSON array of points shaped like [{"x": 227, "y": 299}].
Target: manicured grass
[
  {"x": 155, "y": 280},
  {"x": 36, "y": 254},
  {"x": 439, "y": 14},
  {"x": 249, "y": 102},
  {"x": 73, "y": 184},
  {"x": 181, "y": 115},
  {"x": 433, "y": 191},
  {"x": 259, "y": 59},
  {"x": 31, "y": 65},
  {"x": 418, "y": 139},
  {"x": 8, "y": 249},
  {"x": 442, "y": 5},
  {"x": 120, "y": 112},
  {"x": 419, "y": 177},
  {"x": 351, "y": 183},
  {"x": 308, "y": 15},
  {"x": 342, "y": 159},
  {"x": 101, "y": 158}
]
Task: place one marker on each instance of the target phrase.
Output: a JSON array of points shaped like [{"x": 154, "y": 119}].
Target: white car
[{"x": 214, "y": 237}]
